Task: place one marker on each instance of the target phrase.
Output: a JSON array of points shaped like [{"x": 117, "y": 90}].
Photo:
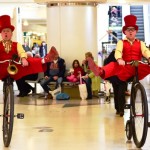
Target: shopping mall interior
[
  {"x": 74, "y": 28},
  {"x": 85, "y": 27}
]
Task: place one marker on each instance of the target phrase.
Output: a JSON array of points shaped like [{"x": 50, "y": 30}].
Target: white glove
[{"x": 121, "y": 61}]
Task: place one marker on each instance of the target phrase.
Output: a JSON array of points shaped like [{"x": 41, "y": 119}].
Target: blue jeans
[{"x": 44, "y": 83}]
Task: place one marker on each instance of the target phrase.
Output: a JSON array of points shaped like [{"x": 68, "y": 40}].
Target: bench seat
[{"x": 67, "y": 87}]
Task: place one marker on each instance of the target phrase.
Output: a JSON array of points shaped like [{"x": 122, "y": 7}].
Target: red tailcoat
[
  {"x": 130, "y": 52},
  {"x": 35, "y": 64}
]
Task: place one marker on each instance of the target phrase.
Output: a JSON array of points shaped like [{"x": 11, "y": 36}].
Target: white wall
[
  {"x": 146, "y": 10},
  {"x": 102, "y": 28},
  {"x": 73, "y": 31}
]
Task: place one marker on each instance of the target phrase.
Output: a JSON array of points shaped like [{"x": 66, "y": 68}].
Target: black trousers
[
  {"x": 119, "y": 89},
  {"x": 23, "y": 86}
]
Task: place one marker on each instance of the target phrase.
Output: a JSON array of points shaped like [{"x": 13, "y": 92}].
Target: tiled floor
[{"x": 69, "y": 125}]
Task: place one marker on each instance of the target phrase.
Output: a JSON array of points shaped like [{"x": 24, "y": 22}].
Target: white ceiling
[
  {"x": 99, "y": 1},
  {"x": 36, "y": 22}
]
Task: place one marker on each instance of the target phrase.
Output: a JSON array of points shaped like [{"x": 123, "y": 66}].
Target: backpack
[{"x": 62, "y": 96}]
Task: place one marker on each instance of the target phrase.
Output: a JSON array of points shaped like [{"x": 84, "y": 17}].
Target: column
[
  {"x": 103, "y": 27},
  {"x": 146, "y": 10},
  {"x": 17, "y": 22},
  {"x": 72, "y": 29}
]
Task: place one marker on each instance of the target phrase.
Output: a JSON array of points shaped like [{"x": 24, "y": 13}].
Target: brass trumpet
[{"x": 12, "y": 69}]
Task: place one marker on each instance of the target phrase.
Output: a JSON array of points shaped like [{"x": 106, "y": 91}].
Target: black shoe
[
  {"x": 21, "y": 95},
  {"x": 107, "y": 100},
  {"x": 33, "y": 90},
  {"x": 25, "y": 93},
  {"x": 117, "y": 112},
  {"x": 121, "y": 114},
  {"x": 89, "y": 98}
]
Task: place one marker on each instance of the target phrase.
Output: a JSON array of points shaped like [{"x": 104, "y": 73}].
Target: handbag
[{"x": 82, "y": 89}]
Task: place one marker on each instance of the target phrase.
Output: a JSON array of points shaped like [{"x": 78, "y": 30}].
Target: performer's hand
[
  {"x": 24, "y": 62},
  {"x": 121, "y": 61}
]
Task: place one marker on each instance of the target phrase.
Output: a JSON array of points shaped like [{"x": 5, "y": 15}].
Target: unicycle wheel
[{"x": 128, "y": 130}]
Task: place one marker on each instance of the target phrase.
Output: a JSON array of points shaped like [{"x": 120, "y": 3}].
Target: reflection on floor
[{"x": 69, "y": 125}]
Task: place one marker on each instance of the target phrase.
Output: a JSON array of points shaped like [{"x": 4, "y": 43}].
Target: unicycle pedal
[
  {"x": 20, "y": 116},
  {"x": 127, "y": 106}
]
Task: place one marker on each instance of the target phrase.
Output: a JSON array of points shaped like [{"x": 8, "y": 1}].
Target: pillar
[
  {"x": 72, "y": 29},
  {"x": 146, "y": 10},
  {"x": 17, "y": 22}
]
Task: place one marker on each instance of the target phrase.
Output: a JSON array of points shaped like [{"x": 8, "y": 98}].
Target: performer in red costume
[
  {"x": 9, "y": 49},
  {"x": 127, "y": 50}
]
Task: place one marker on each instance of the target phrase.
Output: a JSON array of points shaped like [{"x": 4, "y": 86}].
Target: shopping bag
[{"x": 82, "y": 89}]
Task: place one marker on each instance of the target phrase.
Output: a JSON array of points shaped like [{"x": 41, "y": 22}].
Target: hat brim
[
  {"x": 10, "y": 27},
  {"x": 125, "y": 28}
]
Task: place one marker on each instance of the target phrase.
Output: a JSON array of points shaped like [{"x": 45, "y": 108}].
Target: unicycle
[
  {"x": 8, "y": 108},
  {"x": 137, "y": 125}
]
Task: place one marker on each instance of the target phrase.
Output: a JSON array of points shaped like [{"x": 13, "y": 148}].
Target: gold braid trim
[{"x": 7, "y": 45}]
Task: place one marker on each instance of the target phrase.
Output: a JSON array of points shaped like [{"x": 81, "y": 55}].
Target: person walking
[{"x": 43, "y": 49}]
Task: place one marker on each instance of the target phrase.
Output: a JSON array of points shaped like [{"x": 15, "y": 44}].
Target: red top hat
[
  {"x": 5, "y": 22},
  {"x": 130, "y": 21}
]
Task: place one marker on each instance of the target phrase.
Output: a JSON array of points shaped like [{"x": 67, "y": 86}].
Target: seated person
[
  {"x": 26, "y": 47},
  {"x": 92, "y": 81},
  {"x": 55, "y": 72},
  {"x": 75, "y": 72}
]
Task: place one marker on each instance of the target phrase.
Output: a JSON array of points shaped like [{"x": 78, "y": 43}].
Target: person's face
[
  {"x": 76, "y": 64},
  {"x": 43, "y": 43},
  {"x": 86, "y": 56},
  {"x": 56, "y": 57},
  {"x": 6, "y": 34},
  {"x": 130, "y": 33}
]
